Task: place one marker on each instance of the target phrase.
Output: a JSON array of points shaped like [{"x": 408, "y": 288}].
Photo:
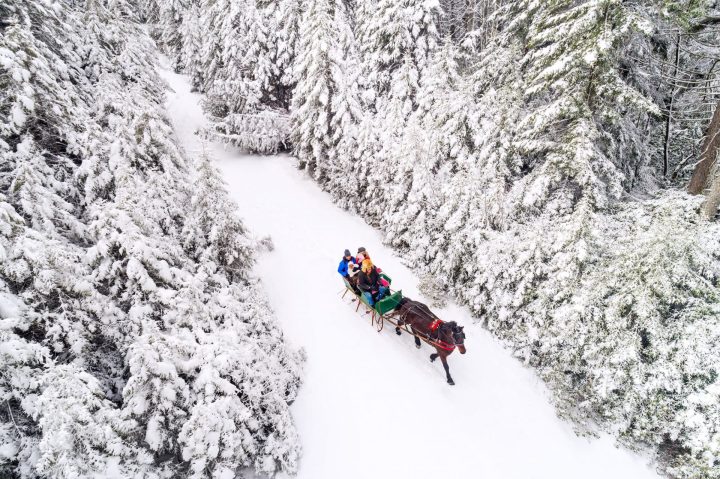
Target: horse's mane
[{"x": 424, "y": 307}]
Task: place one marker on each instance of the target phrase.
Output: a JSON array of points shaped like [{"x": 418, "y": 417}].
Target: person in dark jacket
[
  {"x": 369, "y": 283},
  {"x": 343, "y": 266}
]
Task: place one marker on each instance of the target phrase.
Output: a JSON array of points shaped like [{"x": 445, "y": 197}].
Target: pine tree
[
  {"x": 212, "y": 234},
  {"x": 311, "y": 109},
  {"x": 109, "y": 296},
  {"x": 576, "y": 93},
  {"x": 281, "y": 21},
  {"x": 171, "y": 19},
  {"x": 346, "y": 108},
  {"x": 81, "y": 431},
  {"x": 247, "y": 73},
  {"x": 396, "y": 44},
  {"x": 211, "y": 19},
  {"x": 192, "y": 44},
  {"x": 23, "y": 361}
]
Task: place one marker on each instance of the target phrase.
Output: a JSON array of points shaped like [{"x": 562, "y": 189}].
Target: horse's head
[
  {"x": 459, "y": 337},
  {"x": 452, "y": 330}
]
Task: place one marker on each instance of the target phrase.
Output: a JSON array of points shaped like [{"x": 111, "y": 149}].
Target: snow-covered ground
[{"x": 372, "y": 406}]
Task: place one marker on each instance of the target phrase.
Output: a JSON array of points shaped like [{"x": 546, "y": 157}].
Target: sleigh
[
  {"x": 409, "y": 316},
  {"x": 383, "y": 309}
]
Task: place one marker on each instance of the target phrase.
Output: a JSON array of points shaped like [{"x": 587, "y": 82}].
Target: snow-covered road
[{"x": 372, "y": 406}]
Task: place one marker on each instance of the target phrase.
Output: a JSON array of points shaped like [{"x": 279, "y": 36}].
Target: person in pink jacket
[{"x": 361, "y": 255}]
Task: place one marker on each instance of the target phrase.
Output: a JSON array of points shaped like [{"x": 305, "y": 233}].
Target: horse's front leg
[
  {"x": 450, "y": 381},
  {"x": 415, "y": 335},
  {"x": 417, "y": 340}
]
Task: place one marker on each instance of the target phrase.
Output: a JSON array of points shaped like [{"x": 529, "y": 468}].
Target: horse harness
[{"x": 435, "y": 328}]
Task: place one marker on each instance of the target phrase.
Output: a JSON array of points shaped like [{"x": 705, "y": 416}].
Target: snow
[
  {"x": 372, "y": 405},
  {"x": 9, "y": 306}
]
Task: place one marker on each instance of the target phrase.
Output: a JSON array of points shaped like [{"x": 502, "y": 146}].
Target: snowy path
[{"x": 372, "y": 406}]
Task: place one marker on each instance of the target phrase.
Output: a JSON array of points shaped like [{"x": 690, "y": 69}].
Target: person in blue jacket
[{"x": 343, "y": 266}]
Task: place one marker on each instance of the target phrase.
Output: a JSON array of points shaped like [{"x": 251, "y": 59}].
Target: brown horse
[{"x": 445, "y": 339}]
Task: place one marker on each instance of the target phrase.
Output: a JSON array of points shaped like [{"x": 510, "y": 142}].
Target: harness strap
[
  {"x": 443, "y": 345},
  {"x": 434, "y": 327},
  {"x": 435, "y": 342}
]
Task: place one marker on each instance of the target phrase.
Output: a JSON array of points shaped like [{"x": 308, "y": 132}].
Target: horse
[{"x": 445, "y": 339}]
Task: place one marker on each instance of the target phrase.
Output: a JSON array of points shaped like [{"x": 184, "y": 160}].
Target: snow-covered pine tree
[
  {"x": 318, "y": 55},
  {"x": 282, "y": 20},
  {"x": 364, "y": 12},
  {"x": 171, "y": 19},
  {"x": 397, "y": 40},
  {"x": 37, "y": 91},
  {"x": 432, "y": 151},
  {"x": 211, "y": 23},
  {"x": 238, "y": 329},
  {"x": 192, "y": 44},
  {"x": 81, "y": 432},
  {"x": 631, "y": 322},
  {"x": 675, "y": 66},
  {"x": 346, "y": 108},
  {"x": 23, "y": 360},
  {"x": 109, "y": 319},
  {"x": 576, "y": 94},
  {"x": 244, "y": 82},
  {"x": 42, "y": 146},
  {"x": 212, "y": 236}
]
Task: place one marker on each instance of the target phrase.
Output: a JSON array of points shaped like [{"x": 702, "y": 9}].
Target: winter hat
[
  {"x": 367, "y": 266},
  {"x": 347, "y": 253},
  {"x": 361, "y": 250}
]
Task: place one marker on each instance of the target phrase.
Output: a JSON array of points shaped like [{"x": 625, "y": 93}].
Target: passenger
[
  {"x": 369, "y": 283},
  {"x": 361, "y": 255},
  {"x": 352, "y": 276},
  {"x": 343, "y": 266},
  {"x": 353, "y": 270}
]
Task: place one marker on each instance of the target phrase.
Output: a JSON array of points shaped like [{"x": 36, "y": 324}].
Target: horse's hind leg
[{"x": 450, "y": 381}]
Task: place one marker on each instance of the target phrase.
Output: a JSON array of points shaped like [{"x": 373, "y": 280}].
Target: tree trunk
[
  {"x": 668, "y": 121},
  {"x": 709, "y": 152},
  {"x": 710, "y": 206}
]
